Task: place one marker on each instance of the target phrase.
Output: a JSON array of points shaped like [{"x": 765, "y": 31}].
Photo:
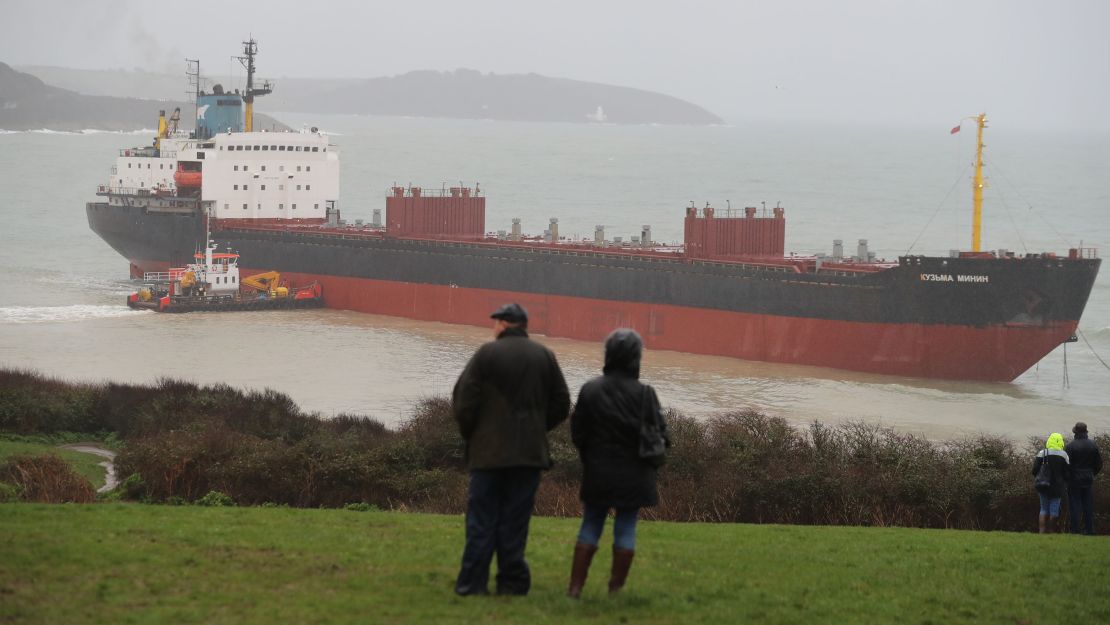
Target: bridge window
[
  {"x": 244, "y": 207},
  {"x": 315, "y": 149},
  {"x": 298, "y": 167},
  {"x": 298, "y": 187},
  {"x": 281, "y": 148},
  {"x": 226, "y": 206},
  {"x": 263, "y": 187},
  {"x": 265, "y": 148},
  {"x": 281, "y": 187},
  {"x": 273, "y": 147},
  {"x": 263, "y": 168},
  {"x": 294, "y": 207},
  {"x": 236, "y": 188},
  {"x": 308, "y": 167},
  {"x": 308, "y": 187},
  {"x": 281, "y": 207},
  {"x": 317, "y": 207},
  {"x": 236, "y": 168},
  {"x": 257, "y": 148}
]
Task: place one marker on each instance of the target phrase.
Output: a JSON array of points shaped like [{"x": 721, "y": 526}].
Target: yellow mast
[
  {"x": 250, "y": 49},
  {"x": 977, "y": 188}
]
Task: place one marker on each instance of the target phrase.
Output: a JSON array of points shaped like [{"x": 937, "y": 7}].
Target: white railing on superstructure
[{"x": 162, "y": 276}]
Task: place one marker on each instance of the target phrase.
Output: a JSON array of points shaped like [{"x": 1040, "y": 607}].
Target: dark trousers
[
  {"x": 498, "y": 510},
  {"x": 1081, "y": 502}
]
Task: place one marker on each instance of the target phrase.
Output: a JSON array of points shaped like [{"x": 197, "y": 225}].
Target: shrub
[
  {"x": 46, "y": 479},
  {"x": 361, "y": 507},
  {"x": 9, "y": 492},
  {"x": 182, "y": 441},
  {"x": 215, "y": 499}
]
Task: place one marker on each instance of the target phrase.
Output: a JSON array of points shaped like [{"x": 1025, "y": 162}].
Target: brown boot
[
  {"x": 622, "y": 561},
  {"x": 579, "y": 568}
]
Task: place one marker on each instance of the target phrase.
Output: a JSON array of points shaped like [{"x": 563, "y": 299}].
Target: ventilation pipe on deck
[
  {"x": 554, "y": 228},
  {"x": 838, "y": 250},
  {"x": 861, "y": 251},
  {"x": 599, "y": 236},
  {"x": 515, "y": 236},
  {"x": 645, "y": 236},
  {"x": 377, "y": 219}
]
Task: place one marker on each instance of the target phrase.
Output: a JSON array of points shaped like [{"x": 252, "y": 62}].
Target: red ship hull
[{"x": 992, "y": 353}]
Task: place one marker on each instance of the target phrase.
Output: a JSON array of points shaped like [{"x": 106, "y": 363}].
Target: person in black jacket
[
  {"x": 605, "y": 427},
  {"x": 508, "y": 397},
  {"x": 1086, "y": 463},
  {"x": 1050, "y": 486}
]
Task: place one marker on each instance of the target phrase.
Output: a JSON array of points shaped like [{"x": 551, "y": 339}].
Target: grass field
[
  {"x": 87, "y": 465},
  {"x": 133, "y": 563}
]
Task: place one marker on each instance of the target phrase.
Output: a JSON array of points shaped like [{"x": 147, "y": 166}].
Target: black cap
[
  {"x": 513, "y": 313},
  {"x": 1079, "y": 428}
]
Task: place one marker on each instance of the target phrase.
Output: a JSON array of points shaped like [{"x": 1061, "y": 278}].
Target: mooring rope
[{"x": 1090, "y": 347}]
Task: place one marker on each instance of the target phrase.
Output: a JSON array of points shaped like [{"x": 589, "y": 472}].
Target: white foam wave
[{"x": 55, "y": 314}]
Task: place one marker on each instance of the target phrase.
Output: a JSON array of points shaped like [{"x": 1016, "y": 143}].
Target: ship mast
[
  {"x": 250, "y": 49},
  {"x": 977, "y": 187}
]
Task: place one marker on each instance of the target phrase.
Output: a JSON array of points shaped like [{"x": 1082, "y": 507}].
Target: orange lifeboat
[{"x": 186, "y": 179}]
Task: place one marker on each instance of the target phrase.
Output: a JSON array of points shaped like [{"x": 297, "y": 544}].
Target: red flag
[{"x": 954, "y": 130}]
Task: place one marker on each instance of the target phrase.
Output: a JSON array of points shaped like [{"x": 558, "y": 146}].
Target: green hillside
[{"x": 132, "y": 563}]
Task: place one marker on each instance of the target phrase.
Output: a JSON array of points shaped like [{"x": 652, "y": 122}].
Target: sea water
[{"x": 62, "y": 289}]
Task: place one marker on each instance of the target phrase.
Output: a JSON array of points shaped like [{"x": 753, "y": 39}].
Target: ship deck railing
[
  {"x": 797, "y": 265},
  {"x": 163, "y": 276}
]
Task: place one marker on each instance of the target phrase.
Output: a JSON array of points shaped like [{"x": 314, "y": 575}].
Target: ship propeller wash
[{"x": 728, "y": 290}]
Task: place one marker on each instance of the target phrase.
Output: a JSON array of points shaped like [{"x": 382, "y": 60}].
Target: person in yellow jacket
[{"x": 1050, "y": 475}]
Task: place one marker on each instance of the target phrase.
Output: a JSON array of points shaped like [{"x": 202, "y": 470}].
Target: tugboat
[{"x": 213, "y": 283}]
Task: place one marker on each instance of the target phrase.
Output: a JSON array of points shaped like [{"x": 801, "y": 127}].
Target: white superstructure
[{"x": 242, "y": 175}]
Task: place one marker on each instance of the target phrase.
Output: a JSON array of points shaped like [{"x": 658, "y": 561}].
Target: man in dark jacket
[
  {"x": 510, "y": 395},
  {"x": 1086, "y": 463}
]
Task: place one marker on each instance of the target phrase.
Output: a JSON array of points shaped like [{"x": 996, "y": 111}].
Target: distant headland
[
  {"x": 27, "y": 103},
  {"x": 458, "y": 94}
]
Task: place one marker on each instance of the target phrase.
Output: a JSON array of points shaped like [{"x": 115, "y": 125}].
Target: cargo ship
[{"x": 728, "y": 290}]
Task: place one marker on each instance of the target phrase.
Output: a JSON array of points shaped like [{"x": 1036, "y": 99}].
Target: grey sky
[{"x": 1027, "y": 63}]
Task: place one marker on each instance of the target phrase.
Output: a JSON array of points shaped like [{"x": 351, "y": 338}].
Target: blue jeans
[
  {"x": 1081, "y": 502},
  {"x": 593, "y": 524},
  {"x": 1050, "y": 505},
  {"x": 498, "y": 509}
]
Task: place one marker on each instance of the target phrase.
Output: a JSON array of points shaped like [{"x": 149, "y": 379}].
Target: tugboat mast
[
  {"x": 250, "y": 49},
  {"x": 977, "y": 187}
]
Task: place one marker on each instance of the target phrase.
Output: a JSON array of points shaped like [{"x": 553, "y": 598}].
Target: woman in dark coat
[{"x": 605, "y": 427}]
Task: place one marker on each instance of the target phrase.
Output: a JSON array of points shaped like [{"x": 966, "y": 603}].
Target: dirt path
[{"x": 110, "y": 480}]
